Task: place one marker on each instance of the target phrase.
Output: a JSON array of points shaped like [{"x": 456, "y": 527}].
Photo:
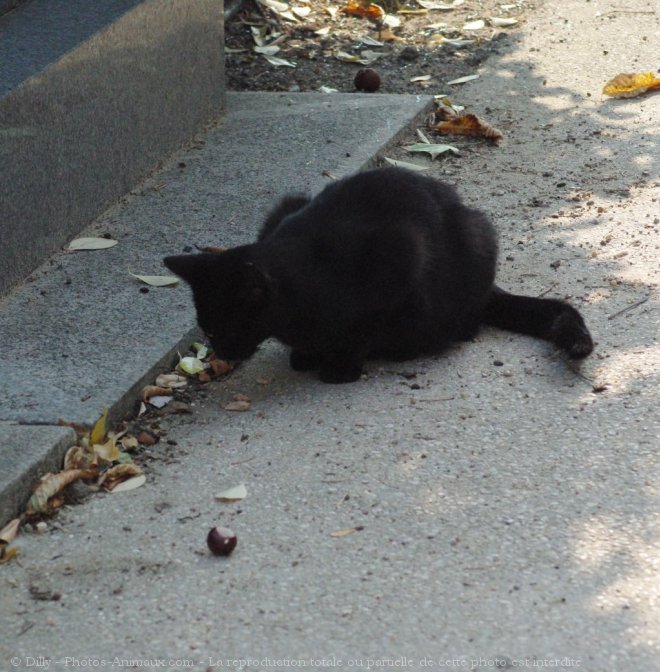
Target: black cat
[{"x": 384, "y": 264}]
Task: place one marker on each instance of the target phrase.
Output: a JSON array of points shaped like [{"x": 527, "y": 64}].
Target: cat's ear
[{"x": 193, "y": 268}]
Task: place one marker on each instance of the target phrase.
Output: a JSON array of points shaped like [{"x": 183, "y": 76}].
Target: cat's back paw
[{"x": 570, "y": 333}]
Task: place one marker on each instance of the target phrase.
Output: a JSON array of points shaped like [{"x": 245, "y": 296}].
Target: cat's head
[{"x": 232, "y": 298}]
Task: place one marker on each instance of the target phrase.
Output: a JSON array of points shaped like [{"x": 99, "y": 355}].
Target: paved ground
[{"x": 509, "y": 513}]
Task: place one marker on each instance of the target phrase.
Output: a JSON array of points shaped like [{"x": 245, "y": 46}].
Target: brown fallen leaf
[
  {"x": 386, "y": 35},
  {"x": 149, "y": 391},
  {"x": 468, "y": 124},
  {"x": 631, "y": 84},
  {"x": 240, "y": 402},
  {"x": 219, "y": 367},
  {"x": 146, "y": 438},
  {"x": 111, "y": 478},
  {"x": 78, "y": 457},
  {"x": 46, "y": 498},
  {"x": 363, "y": 9}
]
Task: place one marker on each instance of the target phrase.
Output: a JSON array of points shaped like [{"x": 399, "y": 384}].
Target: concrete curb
[
  {"x": 92, "y": 97},
  {"x": 82, "y": 337}
]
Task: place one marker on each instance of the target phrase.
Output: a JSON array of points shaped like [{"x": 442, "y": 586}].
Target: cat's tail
[{"x": 550, "y": 319}]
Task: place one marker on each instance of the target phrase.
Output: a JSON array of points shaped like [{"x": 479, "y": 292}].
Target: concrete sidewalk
[
  {"x": 81, "y": 336},
  {"x": 499, "y": 509}
]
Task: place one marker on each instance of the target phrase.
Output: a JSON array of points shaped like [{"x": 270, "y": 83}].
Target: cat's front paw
[
  {"x": 570, "y": 333},
  {"x": 304, "y": 361},
  {"x": 337, "y": 375}
]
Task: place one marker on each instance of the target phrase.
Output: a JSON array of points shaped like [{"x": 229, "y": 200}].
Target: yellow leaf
[
  {"x": 629, "y": 85},
  {"x": 6, "y": 554},
  {"x": 107, "y": 451},
  {"x": 100, "y": 429}
]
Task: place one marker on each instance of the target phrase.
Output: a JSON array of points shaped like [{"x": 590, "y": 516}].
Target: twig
[
  {"x": 547, "y": 291},
  {"x": 630, "y": 307}
]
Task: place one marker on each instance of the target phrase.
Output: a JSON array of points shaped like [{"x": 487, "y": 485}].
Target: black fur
[{"x": 385, "y": 264}]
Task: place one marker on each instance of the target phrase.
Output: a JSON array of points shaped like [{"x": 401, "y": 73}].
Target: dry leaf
[
  {"x": 474, "y": 25},
  {"x": 275, "y": 5},
  {"x": 457, "y": 42},
  {"x": 9, "y": 532},
  {"x": 391, "y": 21},
  {"x": 426, "y": 4},
  {"x": 78, "y": 457},
  {"x": 462, "y": 80},
  {"x": 234, "y": 494},
  {"x": 366, "y": 57},
  {"x": 44, "y": 497},
  {"x": 171, "y": 380},
  {"x": 364, "y": 10},
  {"x": 111, "y": 478},
  {"x": 386, "y": 35},
  {"x": 405, "y": 164},
  {"x": 468, "y": 124},
  {"x": 7, "y": 554},
  {"x": 100, "y": 429},
  {"x": 238, "y": 406},
  {"x": 157, "y": 280},
  {"x": 83, "y": 244},
  {"x": 502, "y": 22},
  {"x": 629, "y": 85},
  {"x": 371, "y": 41},
  {"x": 301, "y": 12},
  {"x": 274, "y": 60},
  {"x": 346, "y": 531},
  {"x": 153, "y": 390},
  {"x": 130, "y": 484},
  {"x": 219, "y": 367},
  {"x": 107, "y": 451},
  {"x": 129, "y": 443},
  {"x": 146, "y": 439},
  {"x": 433, "y": 150},
  {"x": 268, "y": 50}
]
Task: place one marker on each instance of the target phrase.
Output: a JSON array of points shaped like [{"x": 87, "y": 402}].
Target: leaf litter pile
[
  {"x": 319, "y": 45},
  {"x": 111, "y": 460}
]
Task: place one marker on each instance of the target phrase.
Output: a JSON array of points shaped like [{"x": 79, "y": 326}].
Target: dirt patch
[{"x": 409, "y": 43}]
